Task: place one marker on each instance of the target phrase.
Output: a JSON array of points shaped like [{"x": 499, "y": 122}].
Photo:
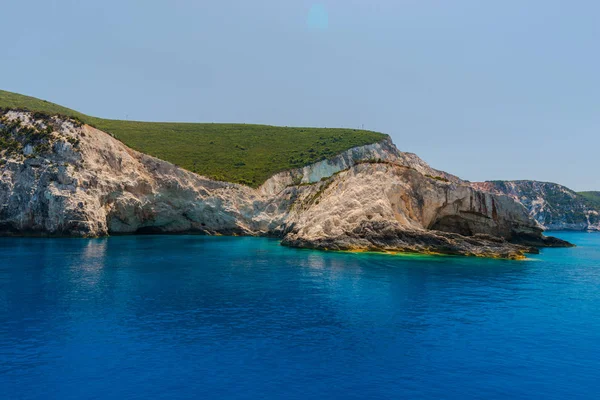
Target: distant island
[{"x": 68, "y": 174}]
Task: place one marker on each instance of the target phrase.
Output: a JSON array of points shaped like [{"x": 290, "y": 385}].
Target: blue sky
[{"x": 483, "y": 89}]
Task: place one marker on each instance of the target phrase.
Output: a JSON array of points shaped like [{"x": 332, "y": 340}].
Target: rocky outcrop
[
  {"x": 59, "y": 177},
  {"x": 553, "y": 206},
  {"x": 388, "y": 207}
]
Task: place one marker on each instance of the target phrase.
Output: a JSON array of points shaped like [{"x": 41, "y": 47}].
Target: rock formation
[
  {"x": 553, "y": 206},
  {"x": 59, "y": 177},
  {"x": 390, "y": 207}
]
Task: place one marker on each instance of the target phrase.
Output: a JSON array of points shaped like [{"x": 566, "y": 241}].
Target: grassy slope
[
  {"x": 240, "y": 153},
  {"x": 592, "y": 199}
]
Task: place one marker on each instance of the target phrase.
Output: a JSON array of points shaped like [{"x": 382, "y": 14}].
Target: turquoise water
[{"x": 188, "y": 317}]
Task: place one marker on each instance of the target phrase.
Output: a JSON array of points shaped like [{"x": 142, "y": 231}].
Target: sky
[{"x": 483, "y": 89}]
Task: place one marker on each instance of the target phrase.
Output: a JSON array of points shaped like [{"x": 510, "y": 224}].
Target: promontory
[{"x": 63, "y": 173}]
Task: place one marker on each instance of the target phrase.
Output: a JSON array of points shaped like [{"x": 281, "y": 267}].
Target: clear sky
[{"x": 504, "y": 89}]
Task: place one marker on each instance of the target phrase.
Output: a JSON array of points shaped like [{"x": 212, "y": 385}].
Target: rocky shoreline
[
  {"x": 61, "y": 178},
  {"x": 390, "y": 239}
]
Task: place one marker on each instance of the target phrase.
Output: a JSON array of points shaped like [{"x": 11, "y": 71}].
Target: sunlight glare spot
[{"x": 318, "y": 19}]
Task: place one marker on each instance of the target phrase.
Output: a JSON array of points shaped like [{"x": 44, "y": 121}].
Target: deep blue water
[{"x": 189, "y": 317}]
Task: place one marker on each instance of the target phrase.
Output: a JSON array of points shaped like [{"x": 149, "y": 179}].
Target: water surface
[{"x": 190, "y": 317}]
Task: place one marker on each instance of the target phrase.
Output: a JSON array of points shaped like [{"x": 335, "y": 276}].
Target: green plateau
[
  {"x": 239, "y": 153},
  {"x": 591, "y": 198}
]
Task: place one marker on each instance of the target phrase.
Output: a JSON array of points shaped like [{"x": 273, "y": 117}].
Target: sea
[{"x": 197, "y": 317}]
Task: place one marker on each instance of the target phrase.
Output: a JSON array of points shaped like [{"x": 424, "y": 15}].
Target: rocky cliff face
[
  {"x": 553, "y": 206},
  {"x": 386, "y": 206},
  {"x": 79, "y": 181},
  {"x": 58, "y": 177}
]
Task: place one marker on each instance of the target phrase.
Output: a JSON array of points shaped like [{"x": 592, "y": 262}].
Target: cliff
[
  {"x": 61, "y": 177},
  {"x": 390, "y": 207},
  {"x": 553, "y": 206}
]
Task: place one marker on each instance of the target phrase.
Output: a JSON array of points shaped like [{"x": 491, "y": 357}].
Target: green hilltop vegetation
[
  {"x": 241, "y": 153},
  {"x": 592, "y": 199}
]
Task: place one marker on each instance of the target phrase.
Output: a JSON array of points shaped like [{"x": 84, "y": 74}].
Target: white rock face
[
  {"x": 103, "y": 187},
  {"x": 384, "y": 151},
  {"x": 392, "y": 207},
  {"x": 86, "y": 183},
  {"x": 553, "y": 206}
]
